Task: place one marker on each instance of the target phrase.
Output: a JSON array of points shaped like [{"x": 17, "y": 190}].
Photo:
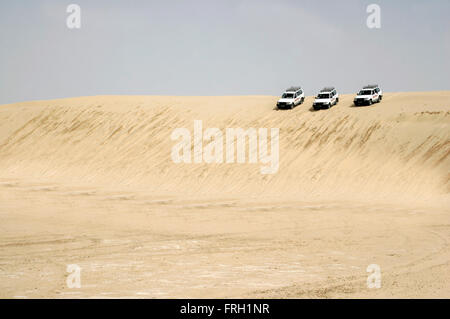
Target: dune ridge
[{"x": 398, "y": 149}]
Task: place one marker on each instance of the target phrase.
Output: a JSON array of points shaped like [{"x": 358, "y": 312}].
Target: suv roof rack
[
  {"x": 370, "y": 86},
  {"x": 293, "y": 89},
  {"x": 327, "y": 89}
]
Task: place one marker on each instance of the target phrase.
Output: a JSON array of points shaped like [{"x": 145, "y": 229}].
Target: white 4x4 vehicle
[
  {"x": 326, "y": 98},
  {"x": 368, "y": 95},
  {"x": 291, "y": 98}
]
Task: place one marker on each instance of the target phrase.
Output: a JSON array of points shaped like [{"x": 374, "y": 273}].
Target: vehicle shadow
[
  {"x": 286, "y": 109},
  {"x": 360, "y": 106}
]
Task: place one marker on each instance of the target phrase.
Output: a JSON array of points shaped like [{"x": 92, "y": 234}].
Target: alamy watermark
[
  {"x": 374, "y": 279},
  {"x": 208, "y": 146},
  {"x": 374, "y": 19},
  {"x": 73, "y": 21},
  {"x": 74, "y": 278}
]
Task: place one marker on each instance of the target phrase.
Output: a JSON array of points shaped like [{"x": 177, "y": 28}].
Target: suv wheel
[{"x": 370, "y": 102}]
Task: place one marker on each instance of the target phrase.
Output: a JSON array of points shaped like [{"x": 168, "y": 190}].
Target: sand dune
[
  {"x": 90, "y": 180},
  {"x": 394, "y": 149}
]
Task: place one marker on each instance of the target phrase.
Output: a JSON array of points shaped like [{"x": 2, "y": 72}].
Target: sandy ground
[{"x": 90, "y": 181}]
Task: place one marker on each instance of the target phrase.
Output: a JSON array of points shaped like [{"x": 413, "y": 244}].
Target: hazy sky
[{"x": 212, "y": 47}]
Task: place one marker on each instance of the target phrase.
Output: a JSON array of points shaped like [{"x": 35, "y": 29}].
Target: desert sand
[{"x": 90, "y": 181}]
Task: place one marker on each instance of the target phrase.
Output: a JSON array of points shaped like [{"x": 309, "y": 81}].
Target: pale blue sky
[{"x": 227, "y": 47}]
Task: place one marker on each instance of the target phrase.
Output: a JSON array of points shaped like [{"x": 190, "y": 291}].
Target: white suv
[
  {"x": 291, "y": 98},
  {"x": 368, "y": 95},
  {"x": 326, "y": 98}
]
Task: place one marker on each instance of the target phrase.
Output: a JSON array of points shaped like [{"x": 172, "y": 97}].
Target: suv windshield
[
  {"x": 323, "y": 96},
  {"x": 366, "y": 92},
  {"x": 288, "y": 96}
]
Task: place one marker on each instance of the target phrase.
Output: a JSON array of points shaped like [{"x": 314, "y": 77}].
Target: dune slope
[{"x": 396, "y": 149}]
